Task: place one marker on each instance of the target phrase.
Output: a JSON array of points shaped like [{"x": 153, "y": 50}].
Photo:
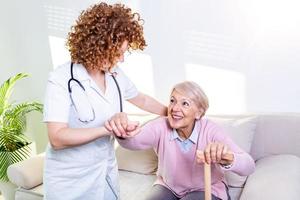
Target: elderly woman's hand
[
  {"x": 215, "y": 153},
  {"x": 121, "y": 126},
  {"x": 133, "y": 129}
]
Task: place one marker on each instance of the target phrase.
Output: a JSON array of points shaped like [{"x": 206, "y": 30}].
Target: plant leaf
[
  {"x": 15, "y": 118},
  {"x": 8, "y": 158},
  {"x": 6, "y": 90}
]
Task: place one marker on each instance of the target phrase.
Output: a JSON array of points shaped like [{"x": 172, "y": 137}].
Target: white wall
[
  {"x": 243, "y": 53},
  {"x": 25, "y": 48}
]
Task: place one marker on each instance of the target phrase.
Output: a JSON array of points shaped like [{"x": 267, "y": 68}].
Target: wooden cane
[{"x": 207, "y": 181}]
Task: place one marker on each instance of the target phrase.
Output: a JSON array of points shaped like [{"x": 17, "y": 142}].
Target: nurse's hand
[
  {"x": 131, "y": 130},
  {"x": 117, "y": 124},
  {"x": 121, "y": 126},
  {"x": 215, "y": 153}
]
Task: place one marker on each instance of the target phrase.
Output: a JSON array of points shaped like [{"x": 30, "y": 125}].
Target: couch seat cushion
[
  {"x": 276, "y": 177},
  {"x": 135, "y": 186}
]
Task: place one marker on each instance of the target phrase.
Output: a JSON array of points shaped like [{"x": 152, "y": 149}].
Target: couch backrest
[{"x": 275, "y": 134}]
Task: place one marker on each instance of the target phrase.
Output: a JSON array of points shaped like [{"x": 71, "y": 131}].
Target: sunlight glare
[
  {"x": 225, "y": 89},
  {"x": 138, "y": 67},
  {"x": 59, "y": 52}
]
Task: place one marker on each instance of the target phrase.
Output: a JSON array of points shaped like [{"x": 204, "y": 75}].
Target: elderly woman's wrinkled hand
[
  {"x": 215, "y": 153},
  {"x": 120, "y": 126},
  {"x": 133, "y": 129}
]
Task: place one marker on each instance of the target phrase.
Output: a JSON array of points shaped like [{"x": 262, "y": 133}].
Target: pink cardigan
[{"x": 179, "y": 171}]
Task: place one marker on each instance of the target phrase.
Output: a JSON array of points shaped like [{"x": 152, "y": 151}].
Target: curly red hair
[{"x": 99, "y": 33}]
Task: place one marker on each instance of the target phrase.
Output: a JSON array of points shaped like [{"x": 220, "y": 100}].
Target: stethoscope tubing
[{"x": 78, "y": 82}]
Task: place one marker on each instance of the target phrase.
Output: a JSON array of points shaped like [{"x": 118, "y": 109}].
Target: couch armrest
[
  {"x": 27, "y": 173},
  {"x": 275, "y": 177}
]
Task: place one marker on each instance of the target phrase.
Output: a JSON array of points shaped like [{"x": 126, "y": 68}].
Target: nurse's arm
[
  {"x": 61, "y": 136},
  {"x": 149, "y": 104}
]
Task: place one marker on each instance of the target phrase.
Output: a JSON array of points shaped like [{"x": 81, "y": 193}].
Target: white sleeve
[
  {"x": 57, "y": 103},
  {"x": 128, "y": 88}
]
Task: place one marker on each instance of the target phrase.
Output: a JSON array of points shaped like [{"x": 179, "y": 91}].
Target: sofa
[{"x": 273, "y": 140}]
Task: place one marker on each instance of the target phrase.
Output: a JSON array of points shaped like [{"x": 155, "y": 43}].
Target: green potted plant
[{"x": 14, "y": 146}]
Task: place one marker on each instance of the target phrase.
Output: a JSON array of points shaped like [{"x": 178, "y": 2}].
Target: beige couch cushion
[
  {"x": 143, "y": 162},
  {"x": 276, "y": 177},
  {"x": 241, "y": 131},
  {"x": 28, "y": 173},
  {"x": 135, "y": 186}
]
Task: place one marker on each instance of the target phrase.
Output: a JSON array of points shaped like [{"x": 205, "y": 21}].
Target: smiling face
[{"x": 182, "y": 113}]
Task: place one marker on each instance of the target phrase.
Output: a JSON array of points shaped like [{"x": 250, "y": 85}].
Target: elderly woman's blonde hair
[{"x": 193, "y": 91}]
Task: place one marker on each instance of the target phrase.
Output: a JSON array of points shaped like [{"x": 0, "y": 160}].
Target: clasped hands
[{"x": 121, "y": 127}]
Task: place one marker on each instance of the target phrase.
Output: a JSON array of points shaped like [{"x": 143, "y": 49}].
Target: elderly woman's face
[{"x": 182, "y": 112}]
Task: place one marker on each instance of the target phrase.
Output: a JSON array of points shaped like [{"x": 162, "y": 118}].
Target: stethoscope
[{"x": 82, "y": 87}]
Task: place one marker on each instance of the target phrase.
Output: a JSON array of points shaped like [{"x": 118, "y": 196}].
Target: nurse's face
[
  {"x": 122, "y": 52},
  {"x": 182, "y": 113}
]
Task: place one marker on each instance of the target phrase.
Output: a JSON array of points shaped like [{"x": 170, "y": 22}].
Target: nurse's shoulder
[
  {"x": 121, "y": 76},
  {"x": 61, "y": 75}
]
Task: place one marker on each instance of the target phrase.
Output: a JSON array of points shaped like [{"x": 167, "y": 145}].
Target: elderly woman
[{"x": 183, "y": 141}]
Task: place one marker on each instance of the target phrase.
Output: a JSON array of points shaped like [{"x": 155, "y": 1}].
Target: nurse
[{"x": 84, "y": 93}]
